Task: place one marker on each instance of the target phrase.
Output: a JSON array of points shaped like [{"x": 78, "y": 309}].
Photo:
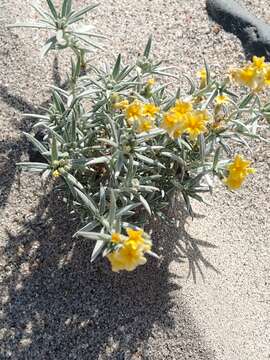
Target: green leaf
[
  {"x": 52, "y": 8},
  {"x": 150, "y": 161},
  {"x": 33, "y": 166},
  {"x": 99, "y": 160},
  {"x": 210, "y": 98},
  {"x": 113, "y": 127},
  {"x": 53, "y": 132},
  {"x": 47, "y": 18},
  {"x": 119, "y": 164},
  {"x": 145, "y": 204},
  {"x": 188, "y": 204},
  {"x": 173, "y": 157},
  {"x": 116, "y": 68},
  {"x": 102, "y": 199},
  {"x": 147, "y": 136},
  {"x": 201, "y": 141},
  {"x": 58, "y": 102},
  {"x": 31, "y": 25},
  {"x": 191, "y": 83},
  {"x": 208, "y": 74},
  {"x": 66, "y": 8},
  {"x": 123, "y": 211},
  {"x": 181, "y": 142},
  {"x": 54, "y": 150},
  {"x": 246, "y": 101},
  {"x": 89, "y": 235},
  {"x": 148, "y": 47},
  {"x": 112, "y": 210},
  {"x": 89, "y": 227},
  {"x": 73, "y": 180},
  {"x": 48, "y": 46},
  {"x": 216, "y": 158},
  {"x": 36, "y": 143},
  {"x": 78, "y": 14},
  {"x": 88, "y": 202},
  {"x": 100, "y": 244}
]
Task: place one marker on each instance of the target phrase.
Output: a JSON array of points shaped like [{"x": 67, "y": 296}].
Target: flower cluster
[
  {"x": 128, "y": 251},
  {"x": 255, "y": 75},
  {"x": 182, "y": 118},
  {"x": 238, "y": 171},
  {"x": 139, "y": 115}
]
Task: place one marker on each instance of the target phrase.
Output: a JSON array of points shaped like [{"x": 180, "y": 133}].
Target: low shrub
[{"x": 124, "y": 145}]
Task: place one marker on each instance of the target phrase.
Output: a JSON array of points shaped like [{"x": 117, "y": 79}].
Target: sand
[{"x": 54, "y": 303}]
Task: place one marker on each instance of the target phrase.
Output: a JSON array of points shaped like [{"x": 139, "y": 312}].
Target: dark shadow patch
[
  {"x": 60, "y": 306},
  {"x": 253, "y": 33}
]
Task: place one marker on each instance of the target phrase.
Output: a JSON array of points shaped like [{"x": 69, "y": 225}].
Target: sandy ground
[{"x": 54, "y": 303}]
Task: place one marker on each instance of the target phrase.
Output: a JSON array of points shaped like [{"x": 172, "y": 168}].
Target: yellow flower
[
  {"x": 238, "y": 171},
  {"x": 195, "y": 123},
  {"x": 267, "y": 77},
  {"x": 138, "y": 239},
  {"x": 145, "y": 124},
  {"x": 254, "y": 75},
  {"x": 151, "y": 82},
  {"x": 246, "y": 77},
  {"x": 182, "y": 107},
  {"x": 126, "y": 258},
  {"x": 122, "y": 105},
  {"x": 174, "y": 124},
  {"x": 150, "y": 109},
  {"x": 131, "y": 252},
  {"x": 134, "y": 110},
  {"x": 56, "y": 174},
  {"x": 135, "y": 235},
  {"x": 258, "y": 62},
  {"x": 116, "y": 238},
  {"x": 202, "y": 75},
  {"x": 222, "y": 99}
]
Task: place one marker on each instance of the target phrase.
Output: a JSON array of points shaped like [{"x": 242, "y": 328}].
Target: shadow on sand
[
  {"x": 11, "y": 150},
  {"x": 60, "y": 306}
]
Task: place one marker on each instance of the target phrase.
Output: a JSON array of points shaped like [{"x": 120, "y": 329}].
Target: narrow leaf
[
  {"x": 36, "y": 143},
  {"x": 145, "y": 204},
  {"x": 148, "y": 47},
  {"x": 87, "y": 201},
  {"x": 52, "y": 8},
  {"x": 100, "y": 244},
  {"x": 54, "y": 150},
  {"x": 116, "y": 68}
]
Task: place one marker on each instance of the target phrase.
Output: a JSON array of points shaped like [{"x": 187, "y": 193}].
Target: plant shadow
[
  {"x": 11, "y": 150},
  {"x": 60, "y": 306}
]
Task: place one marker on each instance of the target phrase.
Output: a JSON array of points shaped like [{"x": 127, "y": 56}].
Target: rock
[{"x": 252, "y": 32}]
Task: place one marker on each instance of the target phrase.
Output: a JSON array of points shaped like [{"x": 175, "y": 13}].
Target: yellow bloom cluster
[
  {"x": 130, "y": 253},
  {"x": 140, "y": 114},
  {"x": 151, "y": 82},
  {"x": 238, "y": 171},
  {"x": 255, "y": 75},
  {"x": 56, "y": 174},
  {"x": 182, "y": 118},
  {"x": 222, "y": 99}
]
